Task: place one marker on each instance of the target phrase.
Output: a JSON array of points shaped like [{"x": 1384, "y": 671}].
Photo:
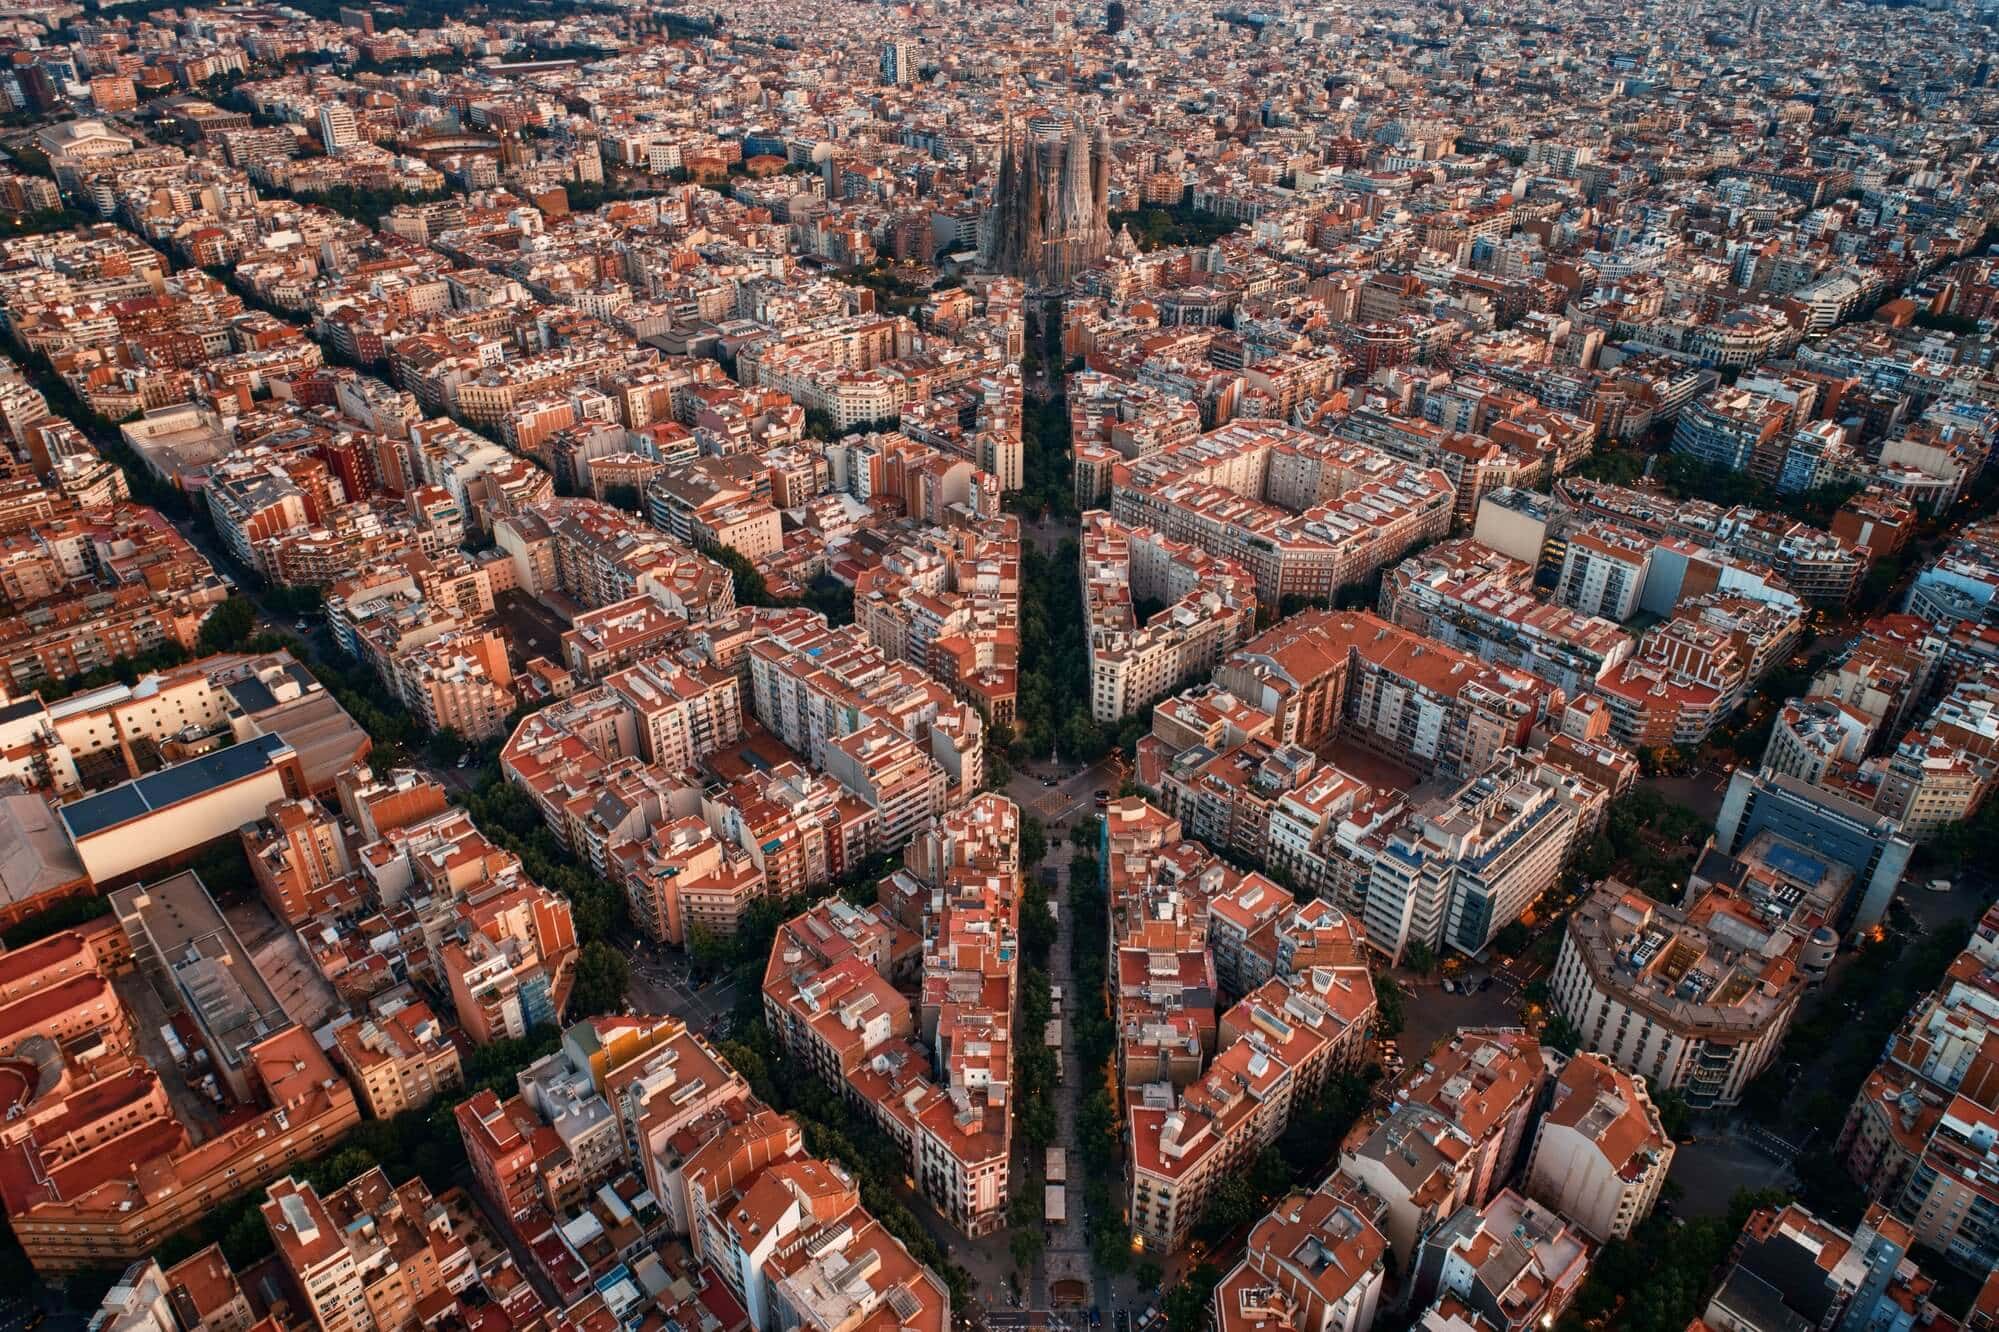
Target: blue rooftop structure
[{"x": 170, "y": 786}]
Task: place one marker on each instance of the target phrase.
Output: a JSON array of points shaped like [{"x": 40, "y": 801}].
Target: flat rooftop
[{"x": 170, "y": 786}]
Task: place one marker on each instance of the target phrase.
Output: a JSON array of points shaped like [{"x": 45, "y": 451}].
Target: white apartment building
[
  {"x": 1604, "y": 572},
  {"x": 1600, "y": 1156},
  {"x": 1210, "y": 610},
  {"x": 338, "y": 128},
  {"x": 1666, "y": 999},
  {"x": 1457, "y": 873}
]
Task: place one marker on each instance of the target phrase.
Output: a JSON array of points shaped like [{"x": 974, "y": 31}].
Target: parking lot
[{"x": 1430, "y": 1016}]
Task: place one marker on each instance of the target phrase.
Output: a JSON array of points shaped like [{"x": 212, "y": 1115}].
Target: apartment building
[
  {"x": 1320, "y": 673},
  {"x": 460, "y": 681},
  {"x": 684, "y": 879},
  {"x": 294, "y": 850},
  {"x": 1603, "y": 575},
  {"x": 1600, "y": 1154},
  {"x": 197, "y": 1294},
  {"x": 1305, "y": 515},
  {"x": 1889, "y": 672},
  {"x": 1477, "y": 600},
  {"x": 1276, "y": 1049},
  {"x": 1487, "y": 1081},
  {"x": 1314, "y": 1263},
  {"x": 369, "y": 1255},
  {"x": 883, "y": 729},
  {"x": 94, "y": 1198},
  {"x": 1664, "y": 997},
  {"x": 1918, "y": 1138},
  {"x": 1456, "y": 873},
  {"x": 1929, "y": 784},
  {"x": 504, "y": 1141},
  {"x": 1210, "y": 607},
  {"x": 1731, "y": 428},
  {"x": 1789, "y": 1266},
  {"x": 935, "y": 1075},
  {"x": 1407, "y": 1161},
  {"x": 1512, "y": 1263},
  {"x": 498, "y": 990},
  {"x": 398, "y": 1060},
  {"x": 1811, "y": 735},
  {"x": 680, "y": 713},
  {"x": 608, "y": 638}
]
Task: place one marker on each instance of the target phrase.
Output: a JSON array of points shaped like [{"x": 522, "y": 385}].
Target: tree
[
  {"x": 603, "y": 975},
  {"x": 224, "y": 869},
  {"x": 1510, "y": 941},
  {"x": 1675, "y": 1115},
  {"x": 445, "y": 747},
  {"x": 1233, "y": 1203},
  {"x": 228, "y": 625},
  {"x": 1562, "y": 1034},
  {"x": 1419, "y": 959},
  {"x": 751, "y": 589},
  {"x": 1186, "y": 1305},
  {"x": 1025, "y": 1244},
  {"x": 711, "y": 952},
  {"x": 1033, "y": 841},
  {"x": 65, "y": 914},
  {"x": 1388, "y": 1005}
]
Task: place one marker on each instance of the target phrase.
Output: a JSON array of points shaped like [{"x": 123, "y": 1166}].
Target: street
[
  {"x": 1058, "y": 795},
  {"x": 661, "y": 983}
]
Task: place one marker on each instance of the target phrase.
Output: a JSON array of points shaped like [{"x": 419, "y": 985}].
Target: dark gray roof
[
  {"x": 251, "y": 694},
  {"x": 169, "y": 786},
  {"x": 19, "y": 708}
]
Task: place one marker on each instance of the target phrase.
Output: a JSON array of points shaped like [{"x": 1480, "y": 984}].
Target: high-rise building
[
  {"x": 898, "y": 60},
  {"x": 338, "y": 129},
  {"x": 1840, "y": 832},
  {"x": 1051, "y": 208}
]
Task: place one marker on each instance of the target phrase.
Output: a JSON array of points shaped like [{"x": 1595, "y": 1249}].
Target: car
[
  {"x": 1450, "y": 987},
  {"x": 301, "y": 626},
  {"x": 1103, "y": 797},
  {"x": 464, "y": 760}
]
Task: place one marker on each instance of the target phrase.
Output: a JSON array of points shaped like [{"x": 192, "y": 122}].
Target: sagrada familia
[{"x": 1051, "y": 205}]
